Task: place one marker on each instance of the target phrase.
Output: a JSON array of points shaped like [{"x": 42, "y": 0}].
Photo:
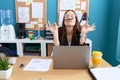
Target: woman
[{"x": 71, "y": 33}]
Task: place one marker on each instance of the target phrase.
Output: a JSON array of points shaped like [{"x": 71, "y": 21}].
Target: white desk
[{"x": 20, "y": 42}]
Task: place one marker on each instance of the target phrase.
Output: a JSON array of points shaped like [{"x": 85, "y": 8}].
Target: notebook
[
  {"x": 112, "y": 73},
  {"x": 71, "y": 57}
]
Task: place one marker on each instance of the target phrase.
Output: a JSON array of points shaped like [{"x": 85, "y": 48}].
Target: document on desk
[
  {"x": 38, "y": 65},
  {"x": 112, "y": 73}
]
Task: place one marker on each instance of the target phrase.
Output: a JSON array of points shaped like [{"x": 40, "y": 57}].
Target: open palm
[
  {"x": 53, "y": 28},
  {"x": 87, "y": 29}
]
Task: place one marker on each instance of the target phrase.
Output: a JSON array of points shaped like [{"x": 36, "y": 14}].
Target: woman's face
[{"x": 70, "y": 19}]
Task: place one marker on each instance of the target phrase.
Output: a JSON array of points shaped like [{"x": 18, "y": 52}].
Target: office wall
[
  {"x": 107, "y": 35},
  {"x": 118, "y": 43},
  {"x": 114, "y": 33},
  {"x": 101, "y": 12},
  {"x": 52, "y": 11},
  {"x": 97, "y": 14}
]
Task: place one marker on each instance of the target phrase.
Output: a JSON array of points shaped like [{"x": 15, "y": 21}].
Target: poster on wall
[
  {"x": 61, "y": 17},
  {"x": 22, "y": 0},
  {"x": 23, "y": 14},
  {"x": 37, "y": 10},
  {"x": 67, "y": 4},
  {"x": 83, "y": 5}
]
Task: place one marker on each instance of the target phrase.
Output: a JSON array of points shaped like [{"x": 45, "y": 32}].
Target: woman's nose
[{"x": 69, "y": 17}]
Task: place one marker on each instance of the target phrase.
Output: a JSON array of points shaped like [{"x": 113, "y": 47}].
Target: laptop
[{"x": 71, "y": 57}]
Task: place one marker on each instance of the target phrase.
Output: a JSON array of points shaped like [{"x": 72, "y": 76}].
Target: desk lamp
[
  {"x": 39, "y": 37},
  {"x": 83, "y": 19}
]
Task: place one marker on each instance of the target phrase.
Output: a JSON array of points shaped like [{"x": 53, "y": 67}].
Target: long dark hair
[{"x": 77, "y": 26}]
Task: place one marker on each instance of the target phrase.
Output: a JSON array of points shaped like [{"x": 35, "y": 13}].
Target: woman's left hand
[{"x": 87, "y": 29}]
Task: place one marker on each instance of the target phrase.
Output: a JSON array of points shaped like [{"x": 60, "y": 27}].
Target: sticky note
[
  {"x": 31, "y": 1},
  {"x": 27, "y": 3},
  {"x": 32, "y": 26},
  {"x": 40, "y": 20},
  {"x": 40, "y": 25},
  {"x": 77, "y": 1}
]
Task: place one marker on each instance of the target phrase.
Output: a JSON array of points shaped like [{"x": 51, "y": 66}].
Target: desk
[{"x": 52, "y": 74}]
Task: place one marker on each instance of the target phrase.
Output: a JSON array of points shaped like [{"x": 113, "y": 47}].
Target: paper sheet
[
  {"x": 77, "y": 1},
  {"x": 83, "y": 5},
  {"x": 67, "y": 4},
  {"x": 34, "y": 22},
  {"x": 25, "y": 1},
  {"x": 27, "y": 25},
  {"x": 22, "y": 0},
  {"x": 78, "y": 6},
  {"x": 23, "y": 14},
  {"x": 38, "y": 65},
  {"x": 79, "y": 14},
  {"x": 37, "y": 10},
  {"x": 112, "y": 73},
  {"x": 61, "y": 17}
]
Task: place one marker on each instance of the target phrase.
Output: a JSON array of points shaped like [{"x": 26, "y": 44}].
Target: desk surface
[{"x": 52, "y": 74}]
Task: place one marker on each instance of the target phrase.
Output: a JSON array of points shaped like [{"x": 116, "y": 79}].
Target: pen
[
  {"x": 49, "y": 23},
  {"x": 22, "y": 65}
]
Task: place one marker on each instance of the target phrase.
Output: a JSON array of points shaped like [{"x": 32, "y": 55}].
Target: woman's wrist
[
  {"x": 83, "y": 35},
  {"x": 56, "y": 40}
]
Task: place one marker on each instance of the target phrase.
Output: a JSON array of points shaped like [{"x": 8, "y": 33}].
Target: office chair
[{"x": 7, "y": 52}]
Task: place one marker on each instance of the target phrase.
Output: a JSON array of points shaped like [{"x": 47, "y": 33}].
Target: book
[{"x": 112, "y": 73}]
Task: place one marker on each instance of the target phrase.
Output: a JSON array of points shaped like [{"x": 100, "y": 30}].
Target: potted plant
[{"x": 5, "y": 68}]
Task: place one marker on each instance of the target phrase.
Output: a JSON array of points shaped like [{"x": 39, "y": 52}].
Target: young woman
[{"x": 71, "y": 33}]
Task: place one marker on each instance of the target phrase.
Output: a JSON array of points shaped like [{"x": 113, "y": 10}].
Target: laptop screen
[{"x": 71, "y": 57}]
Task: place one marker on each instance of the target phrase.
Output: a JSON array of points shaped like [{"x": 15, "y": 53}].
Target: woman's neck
[
  {"x": 69, "y": 30},
  {"x": 69, "y": 33}
]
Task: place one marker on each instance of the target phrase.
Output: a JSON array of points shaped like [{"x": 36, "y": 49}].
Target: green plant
[{"x": 4, "y": 63}]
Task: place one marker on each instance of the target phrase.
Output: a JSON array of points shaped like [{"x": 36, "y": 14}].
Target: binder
[{"x": 112, "y": 73}]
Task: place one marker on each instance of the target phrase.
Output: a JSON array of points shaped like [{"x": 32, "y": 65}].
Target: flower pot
[{"x": 5, "y": 74}]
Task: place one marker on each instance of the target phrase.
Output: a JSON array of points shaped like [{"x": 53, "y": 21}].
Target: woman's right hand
[{"x": 53, "y": 28}]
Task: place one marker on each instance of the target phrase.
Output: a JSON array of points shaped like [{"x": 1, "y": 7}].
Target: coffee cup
[
  {"x": 96, "y": 58},
  {"x": 30, "y": 34}
]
